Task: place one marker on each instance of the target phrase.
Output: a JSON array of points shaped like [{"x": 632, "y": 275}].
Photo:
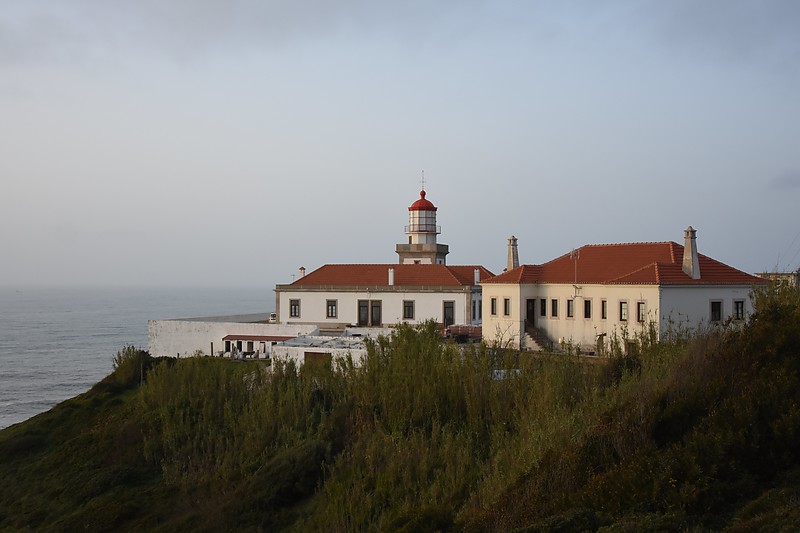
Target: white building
[
  {"x": 587, "y": 295},
  {"x": 420, "y": 287},
  {"x": 249, "y": 334}
]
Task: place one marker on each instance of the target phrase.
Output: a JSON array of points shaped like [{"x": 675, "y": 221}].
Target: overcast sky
[{"x": 228, "y": 142}]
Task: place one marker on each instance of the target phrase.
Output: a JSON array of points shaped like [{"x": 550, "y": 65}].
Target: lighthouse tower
[{"x": 422, "y": 231}]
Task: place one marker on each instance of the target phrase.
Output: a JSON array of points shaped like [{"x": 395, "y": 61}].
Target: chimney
[
  {"x": 691, "y": 265},
  {"x": 477, "y": 276},
  {"x": 391, "y": 276},
  {"x": 302, "y": 271},
  {"x": 513, "y": 255}
]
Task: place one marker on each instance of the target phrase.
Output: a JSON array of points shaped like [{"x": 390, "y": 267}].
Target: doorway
[
  {"x": 375, "y": 312},
  {"x": 530, "y": 313},
  {"x": 449, "y": 313},
  {"x": 363, "y": 313}
]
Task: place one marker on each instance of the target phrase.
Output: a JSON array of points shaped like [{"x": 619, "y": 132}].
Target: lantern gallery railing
[{"x": 423, "y": 228}]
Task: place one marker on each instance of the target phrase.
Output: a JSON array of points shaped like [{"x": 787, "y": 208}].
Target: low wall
[
  {"x": 186, "y": 337},
  {"x": 297, "y": 349}
]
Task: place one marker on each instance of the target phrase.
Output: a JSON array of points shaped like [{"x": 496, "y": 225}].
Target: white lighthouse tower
[{"x": 422, "y": 231}]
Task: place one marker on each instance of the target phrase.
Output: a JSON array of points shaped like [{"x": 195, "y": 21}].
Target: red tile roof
[
  {"x": 409, "y": 275},
  {"x": 645, "y": 263}
]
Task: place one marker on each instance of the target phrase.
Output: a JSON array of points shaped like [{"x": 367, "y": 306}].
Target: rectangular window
[
  {"x": 294, "y": 308},
  {"x": 603, "y": 309},
  {"x": 480, "y": 309},
  {"x": 623, "y": 311},
  {"x": 408, "y": 309},
  {"x": 554, "y": 308},
  {"x": 738, "y": 309},
  {"x": 640, "y": 314},
  {"x": 543, "y": 307},
  {"x": 363, "y": 313},
  {"x": 716, "y": 311},
  {"x": 506, "y": 306},
  {"x": 449, "y": 313},
  {"x": 331, "y": 308},
  {"x": 570, "y": 308},
  {"x": 494, "y": 307},
  {"x": 375, "y": 313},
  {"x": 587, "y": 309},
  {"x": 474, "y": 311}
]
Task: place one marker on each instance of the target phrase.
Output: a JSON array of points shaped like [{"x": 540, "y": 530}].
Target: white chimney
[
  {"x": 477, "y": 276},
  {"x": 302, "y": 271},
  {"x": 391, "y": 276},
  {"x": 691, "y": 265},
  {"x": 513, "y": 255}
]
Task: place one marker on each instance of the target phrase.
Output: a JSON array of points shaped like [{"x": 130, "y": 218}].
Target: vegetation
[{"x": 698, "y": 434}]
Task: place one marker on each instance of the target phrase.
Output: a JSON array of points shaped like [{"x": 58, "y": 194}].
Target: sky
[{"x": 229, "y": 142}]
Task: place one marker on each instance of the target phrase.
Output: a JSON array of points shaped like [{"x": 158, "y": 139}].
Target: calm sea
[{"x": 55, "y": 343}]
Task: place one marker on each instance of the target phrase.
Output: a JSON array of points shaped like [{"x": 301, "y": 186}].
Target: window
[
  {"x": 331, "y": 309},
  {"x": 603, "y": 309},
  {"x": 640, "y": 314},
  {"x": 506, "y": 306},
  {"x": 554, "y": 308},
  {"x": 474, "y": 311},
  {"x": 623, "y": 311},
  {"x": 716, "y": 311},
  {"x": 480, "y": 309},
  {"x": 570, "y": 308},
  {"x": 375, "y": 313},
  {"x": 294, "y": 308},
  {"x": 587, "y": 309},
  {"x": 449, "y": 313},
  {"x": 408, "y": 309},
  {"x": 543, "y": 307},
  {"x": 494, "y": 307},
  {"x": 738, "y": 309}
]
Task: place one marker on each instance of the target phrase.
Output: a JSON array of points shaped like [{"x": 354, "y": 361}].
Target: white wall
[
  {"x": 691, "y": 306},
  {"x": 185, "y": 337},
  {"x": 427, "y": 305}
]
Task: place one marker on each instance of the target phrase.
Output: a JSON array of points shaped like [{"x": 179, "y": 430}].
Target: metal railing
[{"x": 423, "y": 228}]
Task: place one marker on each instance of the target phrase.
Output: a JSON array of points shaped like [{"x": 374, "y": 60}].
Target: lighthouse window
[
  {"x": 554, "y": 308},
  {"x": 494, "y": 306},
  {"x": 543, "y": 307},
  {"x": 506, "y": 306},
  {"x": 570, "y": 308}
]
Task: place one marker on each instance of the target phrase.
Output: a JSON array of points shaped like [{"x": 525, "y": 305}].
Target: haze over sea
[{"x": 56, "y": 342}]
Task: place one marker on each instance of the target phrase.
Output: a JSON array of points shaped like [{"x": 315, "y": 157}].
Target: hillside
[{"x": 696, "y": 433}]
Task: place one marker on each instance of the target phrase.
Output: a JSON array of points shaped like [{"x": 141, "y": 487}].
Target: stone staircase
[{"x": 534, "y": 340}]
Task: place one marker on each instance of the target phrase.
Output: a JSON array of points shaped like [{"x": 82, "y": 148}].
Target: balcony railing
[{"x": 423, "y": 228}]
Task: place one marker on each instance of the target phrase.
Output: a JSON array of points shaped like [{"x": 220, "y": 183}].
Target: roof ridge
[
  {"x": 632, "y": 272},
  {"x": 625, "y": 243}
]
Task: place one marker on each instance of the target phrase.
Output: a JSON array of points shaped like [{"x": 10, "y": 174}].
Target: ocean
[{"x": 56, "y": 343}]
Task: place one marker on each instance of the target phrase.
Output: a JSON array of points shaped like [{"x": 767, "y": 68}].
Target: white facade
[
  {"x": 186, "y": 337},
  {"x": 339, "y": 308}
]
